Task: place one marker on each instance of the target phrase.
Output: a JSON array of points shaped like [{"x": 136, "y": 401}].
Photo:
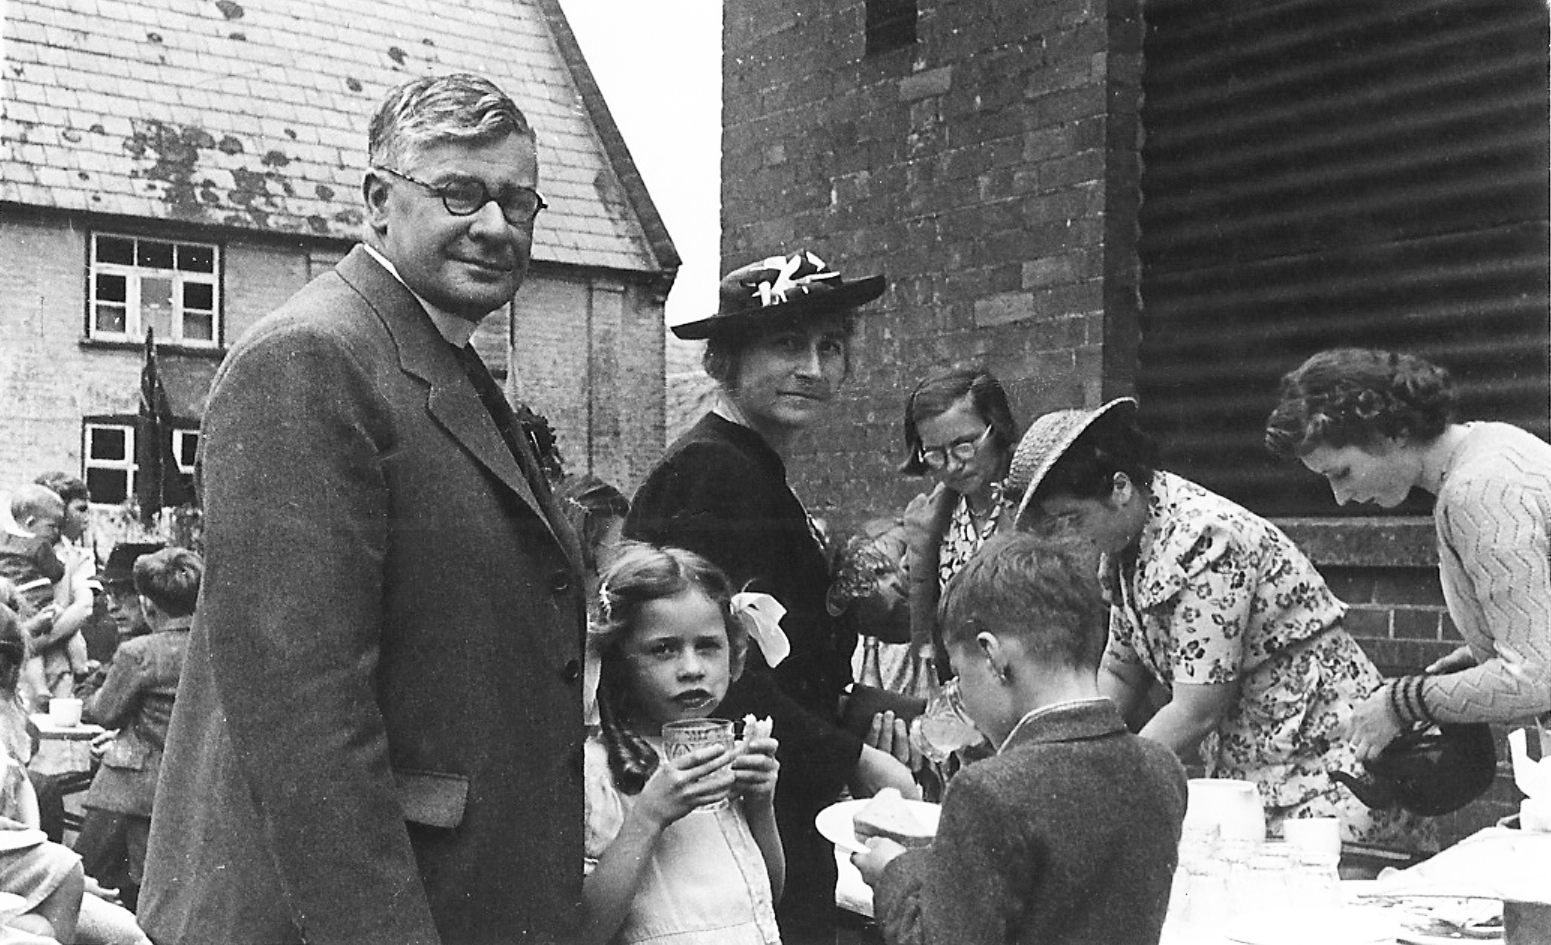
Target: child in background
[
  {"x": 668, "y": 644},
  {"x": 67, "y": 654},
  {"x": 1070, "y": 832}
]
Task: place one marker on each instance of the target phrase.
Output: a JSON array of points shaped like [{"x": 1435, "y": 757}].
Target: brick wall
[
  {"x": 587, "y": 352},
  {"x": 50, "y": 377},
  {"x": 989, "y": 171},
  {"x": 992, "y": 172}
]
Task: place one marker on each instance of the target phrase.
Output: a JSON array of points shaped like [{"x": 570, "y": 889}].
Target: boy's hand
[
  {"x": 880, "y": 852},
  {"x": 701, "y": 777},
  {"x": 757, "y": 769}
]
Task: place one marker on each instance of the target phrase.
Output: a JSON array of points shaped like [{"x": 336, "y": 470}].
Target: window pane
[
  {"x": 156, "y": 306},
  {"x": 196, "y": 258},
  {"x": 198, "y": 326},
  {"x": 188, "y": 446},
  {"x": 113, "y": 249},
  {"x": 108, "y": 444},
  {"x": 111, "y": 288},
  {"x": 155, "y": 254},
  {"x": 110, "y": 486},
  {"x": 110, "y": 319},
  {"x": 200, "y": 295}
]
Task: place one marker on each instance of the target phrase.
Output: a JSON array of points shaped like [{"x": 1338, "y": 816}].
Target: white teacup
[
  {"x": 64, "y": 712},
  {"x": 1233, "y": 806},
  {"x": 1320, "y": 836}
]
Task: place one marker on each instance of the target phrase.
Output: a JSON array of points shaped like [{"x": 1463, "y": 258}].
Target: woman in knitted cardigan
[{"x": 1377, "y": 425}]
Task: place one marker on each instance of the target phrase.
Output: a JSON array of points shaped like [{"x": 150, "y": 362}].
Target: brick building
[
  {"x": 188, "y": 166},
  {"x": 1169, "y": 199}
]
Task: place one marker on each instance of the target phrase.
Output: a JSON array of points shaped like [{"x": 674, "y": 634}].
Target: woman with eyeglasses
[{"x": 959, "y": 429}]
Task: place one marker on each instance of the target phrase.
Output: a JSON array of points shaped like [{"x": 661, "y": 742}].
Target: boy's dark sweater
[{"x": 1069, "y": 835}]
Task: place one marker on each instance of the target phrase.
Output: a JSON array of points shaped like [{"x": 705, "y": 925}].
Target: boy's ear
[{"x": 996, "y": 651}]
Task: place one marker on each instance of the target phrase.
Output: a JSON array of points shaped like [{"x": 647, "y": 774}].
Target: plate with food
[
  {"x": 1442, "y": 920},
  {"x": 889, "y": 814}
]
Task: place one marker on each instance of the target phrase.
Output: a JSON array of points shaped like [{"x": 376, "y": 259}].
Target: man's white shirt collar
[{"x": 456, "y": 330}]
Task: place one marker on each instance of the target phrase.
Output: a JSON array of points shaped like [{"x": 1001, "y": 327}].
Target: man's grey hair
[{"x": 434, "y": 110}]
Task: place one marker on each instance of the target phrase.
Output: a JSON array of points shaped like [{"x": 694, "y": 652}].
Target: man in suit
[{"x": 378, "y": 735}]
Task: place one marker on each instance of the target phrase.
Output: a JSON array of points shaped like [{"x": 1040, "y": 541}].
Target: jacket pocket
[{"x": 432, "y": 798}]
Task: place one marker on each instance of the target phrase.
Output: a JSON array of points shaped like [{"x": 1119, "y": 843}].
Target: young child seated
[{"x": 1070, "y": 832}]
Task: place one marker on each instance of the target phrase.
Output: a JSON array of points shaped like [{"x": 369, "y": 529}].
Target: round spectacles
[
  {"x": 466, "y": 197},
  {"x": 962, "y": 451}
]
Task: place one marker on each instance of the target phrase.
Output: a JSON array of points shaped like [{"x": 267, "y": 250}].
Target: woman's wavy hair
[
  {"x": 938, "y": 393},
  {"x": 1357, "y": 397},
  {"x": 1112, "y": 443},
  {"x": 642, "y": 573}
]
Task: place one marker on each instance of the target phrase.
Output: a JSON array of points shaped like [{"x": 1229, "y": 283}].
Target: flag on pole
[{"x": 158, "y": 483}]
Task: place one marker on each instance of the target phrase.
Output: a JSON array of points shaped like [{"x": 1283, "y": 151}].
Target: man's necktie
[{"x": 505, "y": 420}]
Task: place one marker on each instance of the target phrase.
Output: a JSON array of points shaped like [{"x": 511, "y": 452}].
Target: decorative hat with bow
[{"x": 780, "y": 287}]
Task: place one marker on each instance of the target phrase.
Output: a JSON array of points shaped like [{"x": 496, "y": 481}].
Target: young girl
[{"x": 660, "y": 866}]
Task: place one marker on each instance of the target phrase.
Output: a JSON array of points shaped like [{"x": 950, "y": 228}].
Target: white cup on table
[
  {"x": 1319, "y": 836},
  {"x": 64, "y": 712}
]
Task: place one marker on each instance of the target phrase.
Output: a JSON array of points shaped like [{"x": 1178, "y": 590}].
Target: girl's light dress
[{"x": 706, "y": 882}]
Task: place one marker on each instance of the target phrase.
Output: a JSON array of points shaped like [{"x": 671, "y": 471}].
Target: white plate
[
  {"x": 834, "y": 822},
  {"x": 1349, "y": 927}
]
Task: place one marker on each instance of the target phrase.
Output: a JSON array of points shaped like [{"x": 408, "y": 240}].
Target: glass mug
[
  {"x": 684, "y": 736},
  {"x": 944, "y": 727}
]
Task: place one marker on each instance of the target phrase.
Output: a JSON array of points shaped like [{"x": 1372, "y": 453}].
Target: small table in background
[{"x": 61, "y": 749}]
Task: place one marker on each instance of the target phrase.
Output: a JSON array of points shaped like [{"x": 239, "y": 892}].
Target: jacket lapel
[{"x": 451, "y": 400}]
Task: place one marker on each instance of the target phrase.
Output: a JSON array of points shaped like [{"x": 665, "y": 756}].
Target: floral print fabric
[
  {"x": 1216, "y": 594},
  {"x": 965, "y": 535}
]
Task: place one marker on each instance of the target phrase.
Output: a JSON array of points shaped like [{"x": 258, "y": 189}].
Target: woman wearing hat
[
  {"x": 1377, "y": 425},
  {"x": 778, "y": 348},
  {"x": 1218, "y": 606}
]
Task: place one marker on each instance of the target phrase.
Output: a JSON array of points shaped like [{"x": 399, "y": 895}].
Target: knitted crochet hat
[{"x": 1046, "y": 441}]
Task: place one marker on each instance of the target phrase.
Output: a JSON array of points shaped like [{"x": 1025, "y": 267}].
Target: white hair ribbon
[{"x": 761, "y": 615}]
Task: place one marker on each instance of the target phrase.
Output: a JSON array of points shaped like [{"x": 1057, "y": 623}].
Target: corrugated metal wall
[{"x": 1326, "y": 173}]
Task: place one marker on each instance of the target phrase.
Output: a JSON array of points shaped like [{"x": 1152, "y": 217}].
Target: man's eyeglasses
[
  {"x": 962, "y": 451},
  {"x": 462, "y": 198}
]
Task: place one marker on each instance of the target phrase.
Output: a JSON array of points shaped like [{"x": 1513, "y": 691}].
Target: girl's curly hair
[
  {"x": 1358, "y": 397},
  {"x": 642, "y": 573}
]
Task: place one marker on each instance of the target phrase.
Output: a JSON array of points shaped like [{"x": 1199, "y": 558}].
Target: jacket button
[
  {"x": 572, "y": 671},
  {"x": 560, "y": 582}
]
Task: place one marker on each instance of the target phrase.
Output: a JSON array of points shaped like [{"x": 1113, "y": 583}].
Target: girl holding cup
[{"x": 680, "y": 843}]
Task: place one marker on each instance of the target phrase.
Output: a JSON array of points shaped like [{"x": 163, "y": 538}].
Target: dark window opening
[{"x": 891, "y": 24}]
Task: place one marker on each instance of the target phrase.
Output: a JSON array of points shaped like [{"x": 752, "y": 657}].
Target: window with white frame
[
  {"x": 171, "y": 286},
  {"x": 109, "y": 453},
  {"x": 109, "y": 449},
  {"x": 185, "y": 446}
]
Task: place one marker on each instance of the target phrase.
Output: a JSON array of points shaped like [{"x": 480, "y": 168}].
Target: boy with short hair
[{"x": 1070, "y": 832}]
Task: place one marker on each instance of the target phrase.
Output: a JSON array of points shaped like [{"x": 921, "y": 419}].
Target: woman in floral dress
[{"x": 1218, "y": 606}]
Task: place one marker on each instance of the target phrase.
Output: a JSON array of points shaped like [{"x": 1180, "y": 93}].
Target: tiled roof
[{"x": 252, "y": 113}]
